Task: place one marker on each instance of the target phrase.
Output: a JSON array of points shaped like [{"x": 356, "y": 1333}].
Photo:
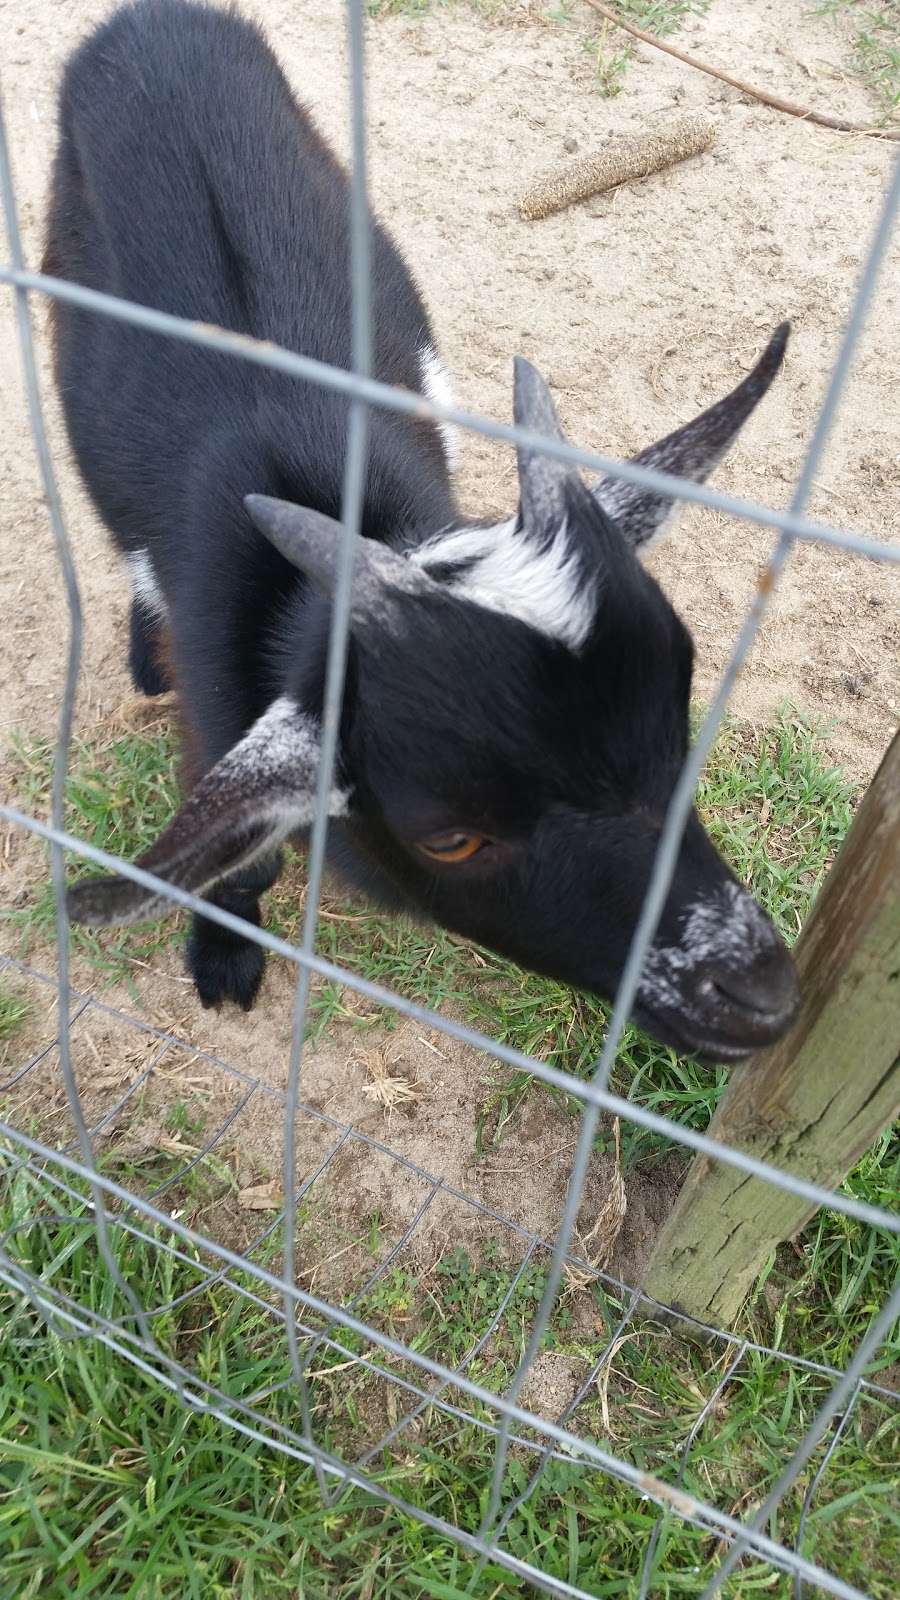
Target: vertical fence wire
[
  {"x": 708, "y": 1409},
  {"x": 679, "y": 809},
  {"x": 362, "y": 391},
  {"x": 840, "y": 1395},
  {"x": 338, "y": 647},
  {"x": 842, "y": 1423},
  {"x": 524, "y": 1495},
  {"x": 882, "y": 1324},
  {"x": 66, "y": 718}
]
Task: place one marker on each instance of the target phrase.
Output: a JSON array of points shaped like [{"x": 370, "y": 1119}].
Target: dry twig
[{"x": 764, "y": 96}]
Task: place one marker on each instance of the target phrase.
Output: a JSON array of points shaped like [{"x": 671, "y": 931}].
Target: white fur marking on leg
[
  {"x": 144, "y": 587},
  {"x": 439, "y": 390}
]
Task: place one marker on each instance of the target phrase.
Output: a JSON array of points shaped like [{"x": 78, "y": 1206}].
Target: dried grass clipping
[
  {"x": 624, "y": 158},
  {"x": 598, "y": 1244},
  {"x": 386, "y": 1087}
]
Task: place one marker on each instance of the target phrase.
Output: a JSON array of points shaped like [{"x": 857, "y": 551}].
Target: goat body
[{"x": 516, "y": 706}]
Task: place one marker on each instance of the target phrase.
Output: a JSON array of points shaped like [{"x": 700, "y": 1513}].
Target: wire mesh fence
[{"x": 318, "y": 1334}]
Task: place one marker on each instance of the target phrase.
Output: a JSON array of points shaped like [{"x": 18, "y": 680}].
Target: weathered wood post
[{"x": 814, "y": 1102}]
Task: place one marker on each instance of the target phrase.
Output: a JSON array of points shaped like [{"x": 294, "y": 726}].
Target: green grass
[
  {"x": 777, "y": 810},
  {"x": 876, "y": 46},
  {"x": 119, "y": 794},
  {"x": 401, "y": 8},
  {"x": 108, "y": 1486},
  {"x": 659, "y": 17},
  {"x": 13, "y": 1011}
]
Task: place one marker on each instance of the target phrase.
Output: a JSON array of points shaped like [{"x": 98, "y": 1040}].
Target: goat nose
[{"x": 763, "y": 993}]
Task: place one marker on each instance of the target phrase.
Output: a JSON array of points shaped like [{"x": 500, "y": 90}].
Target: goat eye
[{"x": 454, "y": 846}]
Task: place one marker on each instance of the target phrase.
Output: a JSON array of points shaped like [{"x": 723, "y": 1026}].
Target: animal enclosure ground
[
  {"x": 435, "y": 1266},
  {"x": 641, "y": 306}
]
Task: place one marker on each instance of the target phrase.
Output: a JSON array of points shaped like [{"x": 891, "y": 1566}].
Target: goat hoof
[
  {"x": 149, "y": 679},
  {"x": 223, "y": 972},
  {"x": 147, "y": 658}
]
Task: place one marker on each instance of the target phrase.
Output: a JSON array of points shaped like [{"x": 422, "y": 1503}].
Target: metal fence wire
[{"x": 421, "y": 1387}]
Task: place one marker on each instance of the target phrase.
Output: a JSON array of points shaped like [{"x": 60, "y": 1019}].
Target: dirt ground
[{"x": 641, "y": 306}]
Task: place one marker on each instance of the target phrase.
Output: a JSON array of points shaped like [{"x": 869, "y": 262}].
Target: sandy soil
[{"x": 641, "y": 306}]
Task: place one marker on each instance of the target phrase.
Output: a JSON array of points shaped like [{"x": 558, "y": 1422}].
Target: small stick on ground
[
  {"x": 764, "y": 96},
  {"x": 628, "y": 157}
]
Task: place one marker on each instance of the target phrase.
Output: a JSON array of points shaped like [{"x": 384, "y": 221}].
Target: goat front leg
[
  {"x": 226, "y": 965},
  {"x": 147, "y": 651}
]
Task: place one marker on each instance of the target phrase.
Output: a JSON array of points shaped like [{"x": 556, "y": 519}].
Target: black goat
[{"x": 516, "y": 710}]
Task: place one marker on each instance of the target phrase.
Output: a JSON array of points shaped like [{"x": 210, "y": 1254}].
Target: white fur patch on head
[
  {"x": 726, "y": 927},
  {"x": 144, "y": 586},
  {"x": 504, "y": 570},
  {"x": 437, "y": 388}
]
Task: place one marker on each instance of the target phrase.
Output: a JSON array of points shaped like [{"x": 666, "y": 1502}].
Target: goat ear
[
  {"x": 311, "y": 542},
  {"x": 691, "y": 452},
  {"x": 543, "y": 481},
  {"x": 262, "y": 791}
]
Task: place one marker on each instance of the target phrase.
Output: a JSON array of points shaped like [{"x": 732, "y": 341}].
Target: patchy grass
[
  {"x": 875, "y": 26},
  {"x": 109, "y": 1485},
  {"x": 612, "y": 57},
  {"x": 774, "y": 806},
  {"x": 611, "y": 50},
  {"x": 13, "y": 1011},
  {"x": 413, "y": 9},
  {"x": 876, "y": 46},
  {"x": 401, "y": 8},
  {"x": 119, "y": 794}
]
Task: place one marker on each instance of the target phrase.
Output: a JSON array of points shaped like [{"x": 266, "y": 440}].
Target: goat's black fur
[{"x": 188, "y": 179}]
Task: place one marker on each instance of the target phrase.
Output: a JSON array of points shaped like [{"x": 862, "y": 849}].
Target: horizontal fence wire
[
  {"x": 206, "y": 1399},
  {"x": 87, "y": 1004},
  {"x": 578, "y": 1088},
  {"x": 311, "y": 1323},
  {"x": 391, "y": 397},
  {"x": 574, "y": 1447},
  {"x": 423, "y": 1399}
]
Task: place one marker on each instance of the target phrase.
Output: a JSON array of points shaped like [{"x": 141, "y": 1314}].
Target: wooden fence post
[{"x": 814, "y": 1102}]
